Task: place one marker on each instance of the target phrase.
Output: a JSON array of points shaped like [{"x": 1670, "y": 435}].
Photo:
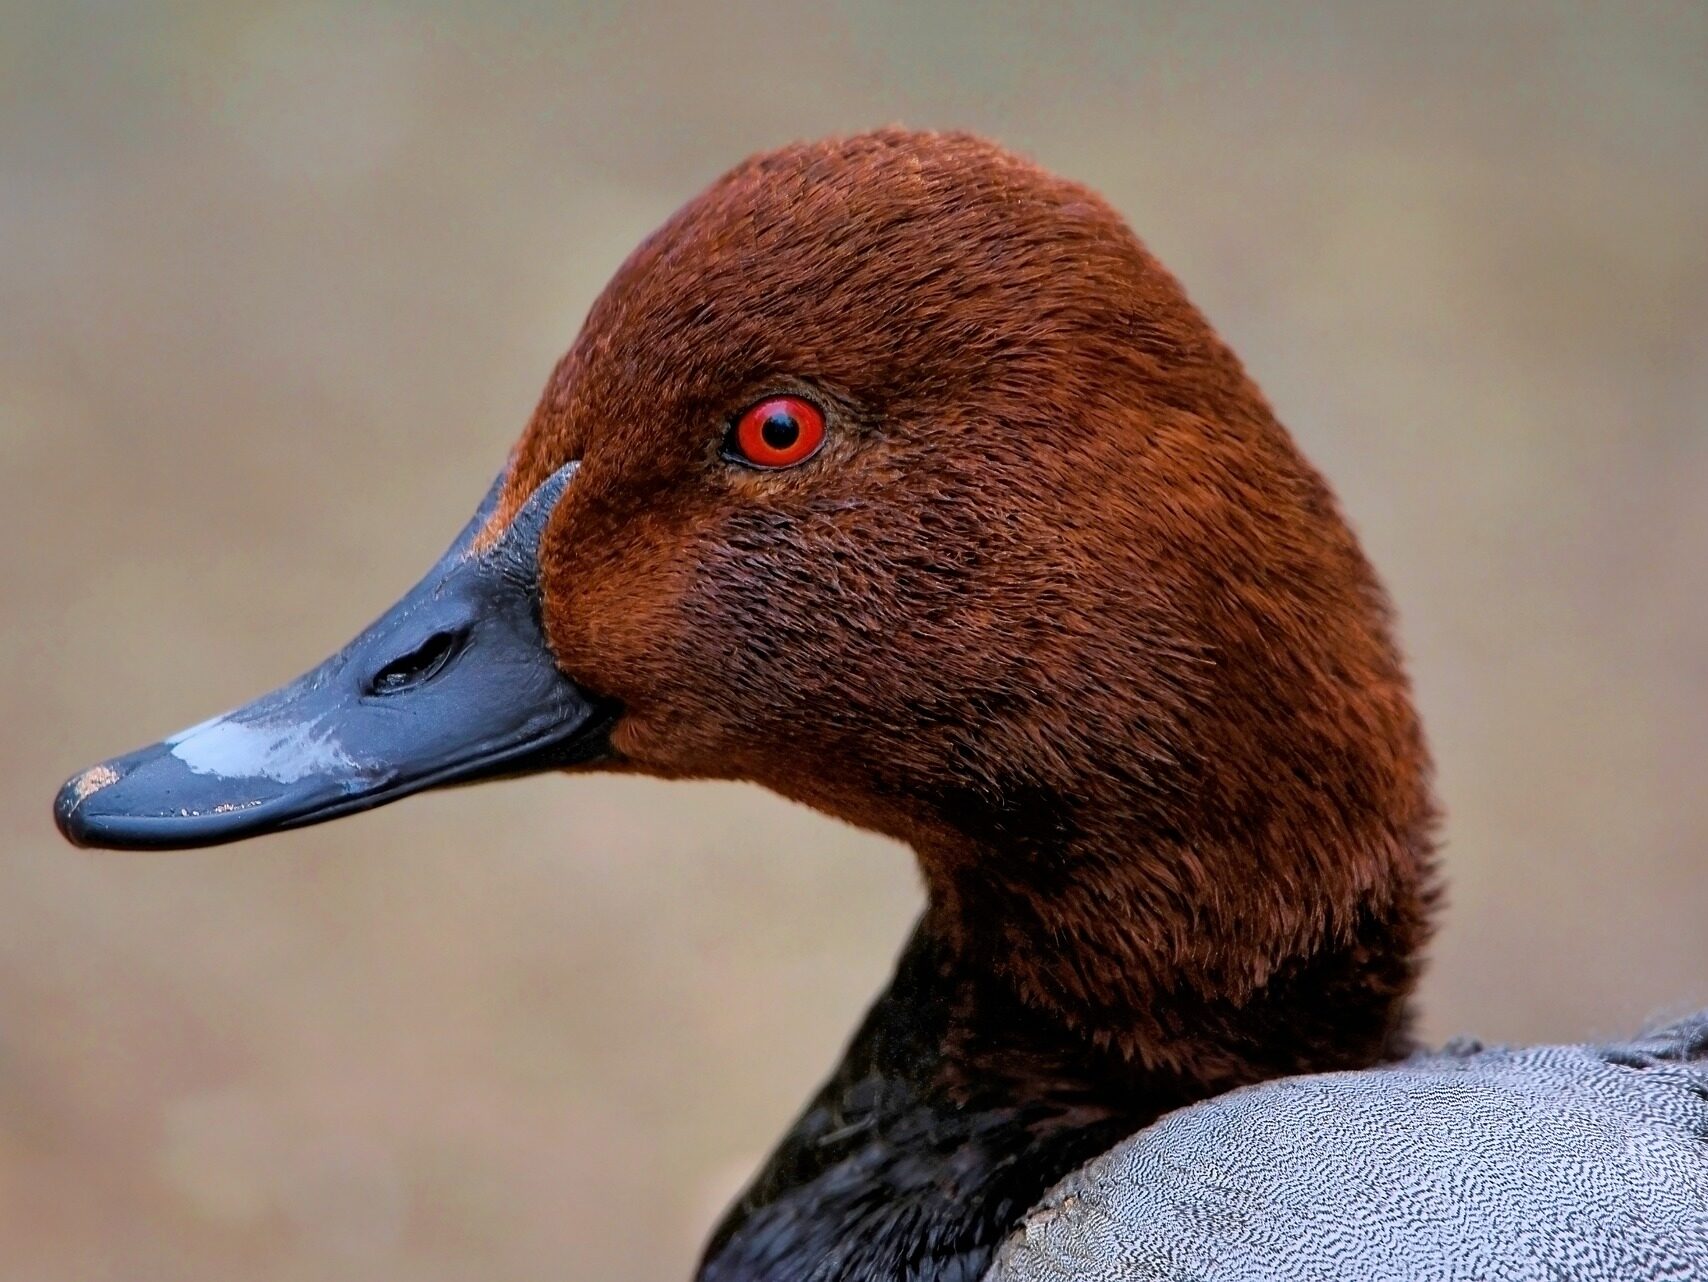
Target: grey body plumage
[{"x": 1543, "y": 1164}]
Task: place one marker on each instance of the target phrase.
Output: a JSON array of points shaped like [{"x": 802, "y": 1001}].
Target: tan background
[{"x": 278, "y": 285}]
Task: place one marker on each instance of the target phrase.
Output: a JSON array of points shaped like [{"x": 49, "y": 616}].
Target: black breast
[{"x": 952, "y": 1112}]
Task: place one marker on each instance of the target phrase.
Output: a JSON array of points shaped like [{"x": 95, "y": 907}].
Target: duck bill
[{"x": 454, "y": 683}]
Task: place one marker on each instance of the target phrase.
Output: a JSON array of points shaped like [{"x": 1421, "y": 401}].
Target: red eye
[{"x": 779, "y": 432}]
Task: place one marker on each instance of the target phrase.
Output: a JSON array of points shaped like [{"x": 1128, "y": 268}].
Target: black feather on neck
[
  {"x": 950, "y": 1114},
  {"x": 957, "y": 1106}
]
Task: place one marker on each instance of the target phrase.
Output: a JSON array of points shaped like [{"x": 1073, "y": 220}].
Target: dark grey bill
[{"x": 454, "y": 683}]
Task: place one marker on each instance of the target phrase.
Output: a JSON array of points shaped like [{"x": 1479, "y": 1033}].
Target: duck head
[{"x": 893, "y": 474}]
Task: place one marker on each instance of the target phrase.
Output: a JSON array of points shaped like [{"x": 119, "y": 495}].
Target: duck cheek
[
  {"x": 681, "y": 718},
  {"x": 632, "y": 654},
  {"x": 664, "y": 745}
]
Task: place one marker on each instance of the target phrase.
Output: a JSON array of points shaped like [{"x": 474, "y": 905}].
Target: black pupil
[{"x": 780, "y": 431}]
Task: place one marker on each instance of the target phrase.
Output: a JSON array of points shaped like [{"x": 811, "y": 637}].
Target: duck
[{"x": 894, "y": 474}]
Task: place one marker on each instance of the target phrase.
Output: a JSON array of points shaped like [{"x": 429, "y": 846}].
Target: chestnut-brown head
[{"x": 893, "y": 474}]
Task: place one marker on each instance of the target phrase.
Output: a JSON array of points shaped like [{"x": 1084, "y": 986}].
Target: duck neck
[
  {"x": 1218, "y": 978},
  {"x": 1000, "y": 1059},
  {"x": 953, "y": 1109}
]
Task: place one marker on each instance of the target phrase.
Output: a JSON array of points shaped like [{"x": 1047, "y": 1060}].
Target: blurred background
[{"x": 278, "y": 286}]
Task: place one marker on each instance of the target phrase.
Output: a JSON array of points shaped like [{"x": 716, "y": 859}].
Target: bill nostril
[{"x": 421, "y": 664}]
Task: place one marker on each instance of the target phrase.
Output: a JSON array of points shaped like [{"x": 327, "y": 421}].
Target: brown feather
[{"x": 1059, "y": 604}]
